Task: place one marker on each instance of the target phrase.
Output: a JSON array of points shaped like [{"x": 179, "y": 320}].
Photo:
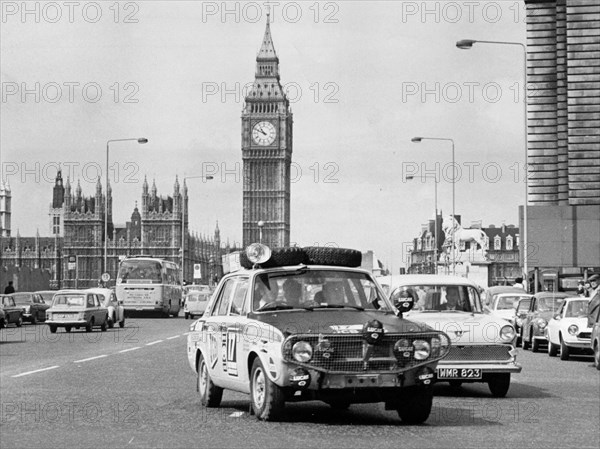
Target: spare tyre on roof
[
  {"x": 341, "y": 257},
  {"x": 279, "y": 257}
]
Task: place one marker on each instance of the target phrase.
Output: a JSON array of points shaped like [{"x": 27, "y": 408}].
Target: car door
[
  {"x": 528, "y": 319},
  {"x": 214, "y": 332},
  {"x": 12, "y": 311},
  {"x": 235, "y": 323}
]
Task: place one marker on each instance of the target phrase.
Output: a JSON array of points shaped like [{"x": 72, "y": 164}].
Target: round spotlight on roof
[{"x": 258, "y": 253}]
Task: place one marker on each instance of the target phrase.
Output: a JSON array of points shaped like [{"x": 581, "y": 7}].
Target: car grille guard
[{"x": 350, "y": 353}]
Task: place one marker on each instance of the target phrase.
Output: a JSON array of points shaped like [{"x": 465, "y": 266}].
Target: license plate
[{"x": 459, "y": 373}]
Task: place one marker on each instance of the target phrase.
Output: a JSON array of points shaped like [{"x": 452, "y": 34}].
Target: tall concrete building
[
  {"x": 266, "y": 153},
  {"x": 563, "y": 74}
]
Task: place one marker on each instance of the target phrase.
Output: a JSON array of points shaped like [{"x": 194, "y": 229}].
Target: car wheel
[
  {"x": 19, "y": 322},
  {"x": 564, "y": 350},
  {"x": 53, "y": 329},
  {"x": 268, "y": 399},
  {"x": 415, "y": 404},
  {"x": 103, "y": 326},
  {"x": 552, "y": 349},
  {"x": 88, "y": 326},
  {"x": 499, "y": 384},
  {"x": 1, "y": 324},
  {"x": 535, "y": 345},
  {"x": 210, "y": 394},
  {"x": 68, "y": 328},
  {"x": 122, "y": 323},
  {"x": 597, "y": 356},
  {"x": 111, "y": 322},
  {"x": 525, "y": 343},
  {"x": 186, "y": 316}
]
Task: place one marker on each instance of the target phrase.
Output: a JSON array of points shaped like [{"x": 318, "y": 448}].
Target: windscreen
[
  {"x": 68, "y": 300},
  {"x": 577, "y": 309},
  {"x": 506, "y": 302},
  {"x": 550, "y": 304},
  {"x": 140, "y": 272},
  {"x": 437, "y": 298},
  {"x": 313, "y": 289}
]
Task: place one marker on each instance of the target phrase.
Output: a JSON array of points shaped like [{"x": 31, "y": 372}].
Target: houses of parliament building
[{"x": 74, "y": 255}]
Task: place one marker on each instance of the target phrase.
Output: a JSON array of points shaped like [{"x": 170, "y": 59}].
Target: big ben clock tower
[{"x": 267, "y": 153}]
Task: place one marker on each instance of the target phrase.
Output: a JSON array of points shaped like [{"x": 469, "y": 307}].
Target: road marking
[
  {"x": 236, "y": 414},
  {"x": 186, "y": 333},
  {"x": 35, "y": 371},
  {"x": 171, "y": 338},
  {"x": 153, "y": 342},
  {"x": 90, "y": 358},
  {"x": 130, "y": 349}
]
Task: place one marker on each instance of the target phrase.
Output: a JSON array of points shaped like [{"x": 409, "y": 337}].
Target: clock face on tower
[{"x": 263, "y": 133}]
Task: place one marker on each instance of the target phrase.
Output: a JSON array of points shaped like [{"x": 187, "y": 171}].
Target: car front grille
[
  {"x": 350, "y": 353},
  {"x": 488, "y": 353}
]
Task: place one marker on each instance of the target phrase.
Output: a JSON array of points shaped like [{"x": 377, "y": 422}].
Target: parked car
[
  {"x": 595, "y": 341},
  {"x": 108, "y": 299},
  {"x": 75, "y": 309},
  {"x": 544, "y": 305},
  {"x": 520, "y": 314},
  {"x": 502, "y": 301},
  {"x": 307, "y": 328},
  {"x": 568, "y": 330},
  {"x": 195, "y": 304},
  {"x": 12, "y": 312},
  {"x": 2, "y": 318},
  {"x": 482, "y": 344},
  {"x": 33, "y": 305},
  {"x": 47, "y": 295}
]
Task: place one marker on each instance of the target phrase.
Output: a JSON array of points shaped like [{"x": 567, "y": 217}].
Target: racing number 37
[{"x": 232, "y": 353}]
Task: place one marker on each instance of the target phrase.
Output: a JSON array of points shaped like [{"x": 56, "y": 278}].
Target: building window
[
  {"x": 497, "y": 243},
  {"x": 463, "y": 245},
  {"x": 509, "y": 243}
]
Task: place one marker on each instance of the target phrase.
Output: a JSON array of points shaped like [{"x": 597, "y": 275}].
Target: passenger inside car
[
  {"x": 292, "y": 292},
  {"x": 333, "y": 293}
]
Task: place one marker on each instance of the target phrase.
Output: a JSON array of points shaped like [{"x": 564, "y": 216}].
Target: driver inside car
[
  {"x": 292, "y": 292},
  {"x": 264, "y": 293}
]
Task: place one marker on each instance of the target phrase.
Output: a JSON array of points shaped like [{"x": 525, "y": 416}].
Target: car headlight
[
  {"x": 541, "y": 323},
  {"x": 573, "y": 329},
  {"x": 422, "y": 349},
  {"x": 507, "y": 333},
  {"x": 302, "y": 351},
  {"x": 26, "y": 309}
]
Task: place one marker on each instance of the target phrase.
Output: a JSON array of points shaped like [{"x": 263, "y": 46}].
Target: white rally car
[
  {"x": 300, "y": 326},
  {"x": 568, "y": 330},
  {"x": 482, "y": 344}
]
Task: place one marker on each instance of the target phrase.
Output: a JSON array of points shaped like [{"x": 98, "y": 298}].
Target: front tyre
[
  {"x": 552, "y": 349},
  {"x": 122, "y": 323},
  {"x": 415, "y": 404},
  {"x": 597, "y": 357},
  {"x": 564, "y": 350},
  {"x": 535, "y": 345},
  {"x": 499, "y": 384},
  {"x": 268, "y": 400},
  {"x": 210, "y": 394}
]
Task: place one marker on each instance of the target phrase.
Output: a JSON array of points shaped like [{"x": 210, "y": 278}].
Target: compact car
[
  {"x": 502, "y": 301},
  {"x": 76, "y": 309},
  {"x": 543, "y": 306},
  {"x": 108, "y": 299},
  {"x": 12, "y": 312},
  {"x": 304, "y": 324},
  {"x": 568, "y": 330},
  {"x": 33, "y": 305},
  {"x": 195, "y": 304},
  {"x": 482, "y": 344}
]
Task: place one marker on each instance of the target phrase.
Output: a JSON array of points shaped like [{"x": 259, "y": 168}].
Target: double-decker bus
[{"x": 147, "y": 284}]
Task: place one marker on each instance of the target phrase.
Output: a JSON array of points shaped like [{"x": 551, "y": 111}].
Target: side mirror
[{"x": 557, "y": 317}]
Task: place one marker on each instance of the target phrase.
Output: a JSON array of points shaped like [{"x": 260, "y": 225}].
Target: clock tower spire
[{"x": 266, "y": 152}]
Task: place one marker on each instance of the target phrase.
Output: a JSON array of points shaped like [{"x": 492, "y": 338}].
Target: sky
[{"x": 363, "y": 78}]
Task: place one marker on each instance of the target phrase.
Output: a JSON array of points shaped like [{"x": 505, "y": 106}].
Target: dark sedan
[
  {"x": 12, "y": 312},
  {"x": 33, "y": 305},
  {"x": 544, "y": 305}
]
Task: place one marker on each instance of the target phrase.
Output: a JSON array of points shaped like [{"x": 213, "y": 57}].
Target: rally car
[
  {"x": 482, "y": 344},
  {"x": 303, "y": 324}
]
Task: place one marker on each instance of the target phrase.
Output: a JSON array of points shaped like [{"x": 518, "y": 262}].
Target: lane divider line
[
  {"x": 129, "y": 349},
  {"x": 35, "y": 371},
  {"x": 90, "y": 358},
  {"x": 154, "y": 342},
  {"x": 171, "y": 338}
]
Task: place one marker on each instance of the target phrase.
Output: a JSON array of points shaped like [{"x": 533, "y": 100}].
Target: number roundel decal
[{"x": 263, "y": 133}]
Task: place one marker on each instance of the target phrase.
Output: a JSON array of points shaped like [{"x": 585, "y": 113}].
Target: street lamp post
[
  {"x": 419, "y": 139},
  {"x": 435, "y": 234},
  {"x": 260, "y": 225},
  {"x": 208, "y": 178},
  {"x": 140, "y": 140},
  {"x": 467, "y": 44}
]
